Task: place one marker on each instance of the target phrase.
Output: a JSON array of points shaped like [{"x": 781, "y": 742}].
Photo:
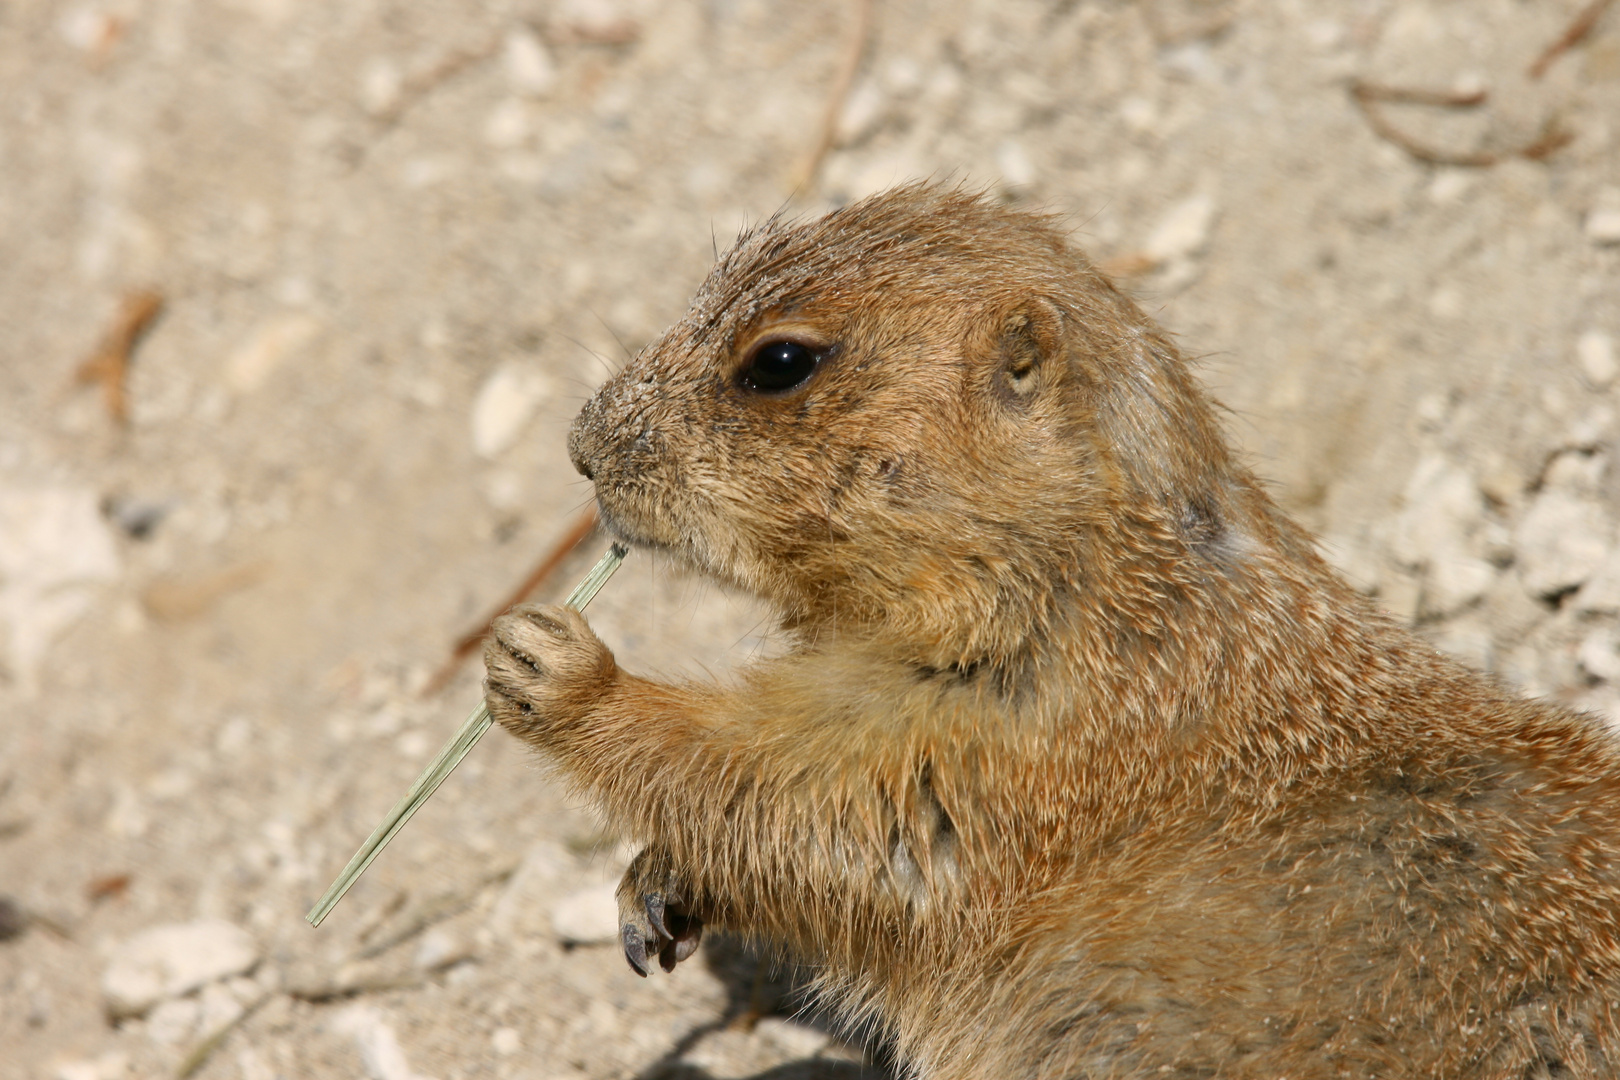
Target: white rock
[
  {"x": 506, "y": 1041},
  {"x": 1594, "y": 350},
  {"x": 381, "y": 87},
  {"x": 1599, "y": 654},
  {"x": 528, "y": 64},
  {"x": 1468, "y": 641},
  {"x": 439, "y": 948},
  {"x": 126, "y": 818},
  {"x": 1192, "y": 61},
  {"x": 863, "y": 110},
  {"x": 272, "y": 343},
  {"x": 1446, "y": 302},
  {"x": 1603, "y": 226},
  {"x": 523, "y": 902},
  {"x": 903, "y": 75},
  {"x": 795, "y": 1040},
  {"x": 1349, "y": 555},
  {"x": 246, "y": 991},
  {"x": 1449, "y": 185},
  {"x": 1560, "y": 542},
  {"x": 508, "y": 124},
  {"x": 89, "y": 27},
  {"x": 250, "y": 1064},
  {"x": 1456, "y": 579},
  {"x": 596, "y": 19},
  {"x": 588, "y": 916},
  {"x": 55, "y": 554},
  {"x": 1443, "y": 506},
  {"x": 379, "y": 1047},
  {"x": 1016, "y": 169},
  {"x": 1399, "y": 595},
  {"x": 167, "y": 961},
  {"x": 221, "y": 1005},
  {"x": 1184, "y": 231},
  {"x": 507, "y": 400},
  {"x": 1577, "y": 473},
  {"x": 1138, "y": 113},
  {"x": 109, "y": 1066},
  {"x": 1592, "y": 428},
  {"x": 173, "y": 1021},
  {"x": 1601, "y": 593}
]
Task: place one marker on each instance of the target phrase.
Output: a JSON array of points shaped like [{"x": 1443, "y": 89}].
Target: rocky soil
[{"x": 395, "y": 245}]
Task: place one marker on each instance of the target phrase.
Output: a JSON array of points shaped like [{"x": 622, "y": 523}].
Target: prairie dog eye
[{"x": 778, "y": 365}]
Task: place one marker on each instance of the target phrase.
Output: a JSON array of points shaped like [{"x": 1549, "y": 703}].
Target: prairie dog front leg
[
  {"x": 546, "y": 668},
  {"x": 742, "y": 795}
]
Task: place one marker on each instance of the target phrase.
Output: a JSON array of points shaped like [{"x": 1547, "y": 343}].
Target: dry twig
[
  {"x": 199, "y": 1054},
  {"x": 1128, "y": 264},
  {"x": 804, "y": 177},
  {"x": 109, "y": 364},
  {"x": 1406, "y": 95},
  {"x": 469, "y": 642},
  {"x": 107, "y": 887},
  {"x": 439, "y": 908},
  {"x": 418, "y": 86},
  {"x": 1368, "y": 96},
  {"x": 1572, "y": 36}
]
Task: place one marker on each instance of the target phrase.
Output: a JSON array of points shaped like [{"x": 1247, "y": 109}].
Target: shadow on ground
[{"x": 758, "y": 986}]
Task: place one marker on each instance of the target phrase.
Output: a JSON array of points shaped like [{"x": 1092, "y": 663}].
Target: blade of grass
[{"x": 465, "y": 738}]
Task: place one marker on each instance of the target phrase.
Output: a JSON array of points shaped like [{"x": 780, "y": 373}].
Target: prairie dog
[{"x": 1082, "y": 763}]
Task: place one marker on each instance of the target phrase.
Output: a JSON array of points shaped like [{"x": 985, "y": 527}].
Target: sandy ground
[{"x": 398, "y": 243}]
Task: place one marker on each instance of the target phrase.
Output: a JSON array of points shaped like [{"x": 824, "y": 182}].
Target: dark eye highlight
[{"x": 778, "y": 365}]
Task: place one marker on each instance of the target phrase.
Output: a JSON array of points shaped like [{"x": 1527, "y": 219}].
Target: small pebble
[
  {"x": 438, "y": 949},
  {"x": 220, "y": 1007},
  {"x": 508, "y": 124},
  {"x": 605, "y": 21},
  {"x": 1561, "y": 542},
  {"x": 506, "y": 1041},
  {"x": 796, "y": 1040},
  {"x": 271, "y": 345},
  {"x": 55, "y": 552},
  {"x": 1601, "y": 593},
  {"x": 529, "y": 68},
  {"x": 504, "y": 405},
  {"x": 1603, "y": 226},
  {"x": 1016, "y": 169},
  {"x": 587, "y": 917},
  {"x": 109, "y": 1066},
  {"x": 1599, "y": 654},
  {"x": 1183, "y": 231},
  {"x": 381, "y": 87},
  {"x": 863, "y": 111},
  {"x": 174, "y": 1021},
  {"x": 1456, "y": 580},
  {"x": 135, "y": 518},
  {"x": 168, "y": 961},
  {"x": 380, "y": 1052},
  {"x": 1595, "y": 352}
]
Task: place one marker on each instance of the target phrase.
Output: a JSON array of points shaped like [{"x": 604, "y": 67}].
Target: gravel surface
[{"x": 395, "y": 245}]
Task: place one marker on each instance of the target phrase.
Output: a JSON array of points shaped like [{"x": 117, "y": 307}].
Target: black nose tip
[{"x": 577, "y": 439}]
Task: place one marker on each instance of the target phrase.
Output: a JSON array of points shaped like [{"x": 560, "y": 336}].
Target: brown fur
[{"x": 1083, "y": 763}]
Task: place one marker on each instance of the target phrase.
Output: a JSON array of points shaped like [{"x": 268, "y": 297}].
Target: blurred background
[{"x": 297, "y": 299}]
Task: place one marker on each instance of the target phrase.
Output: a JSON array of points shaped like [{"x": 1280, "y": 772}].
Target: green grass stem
[{"x": 448, "y": 758}]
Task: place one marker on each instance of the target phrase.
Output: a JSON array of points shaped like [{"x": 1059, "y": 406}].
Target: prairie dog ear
[{"x": 1029, "y": 338}]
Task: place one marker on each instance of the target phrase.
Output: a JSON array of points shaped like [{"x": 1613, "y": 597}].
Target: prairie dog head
[{"x": 922, "y": 415}]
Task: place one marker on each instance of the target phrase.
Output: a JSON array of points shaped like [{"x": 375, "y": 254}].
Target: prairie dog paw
[
  {"x": 544, "y": 667},
  {"x": 654, "y": 920}
]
